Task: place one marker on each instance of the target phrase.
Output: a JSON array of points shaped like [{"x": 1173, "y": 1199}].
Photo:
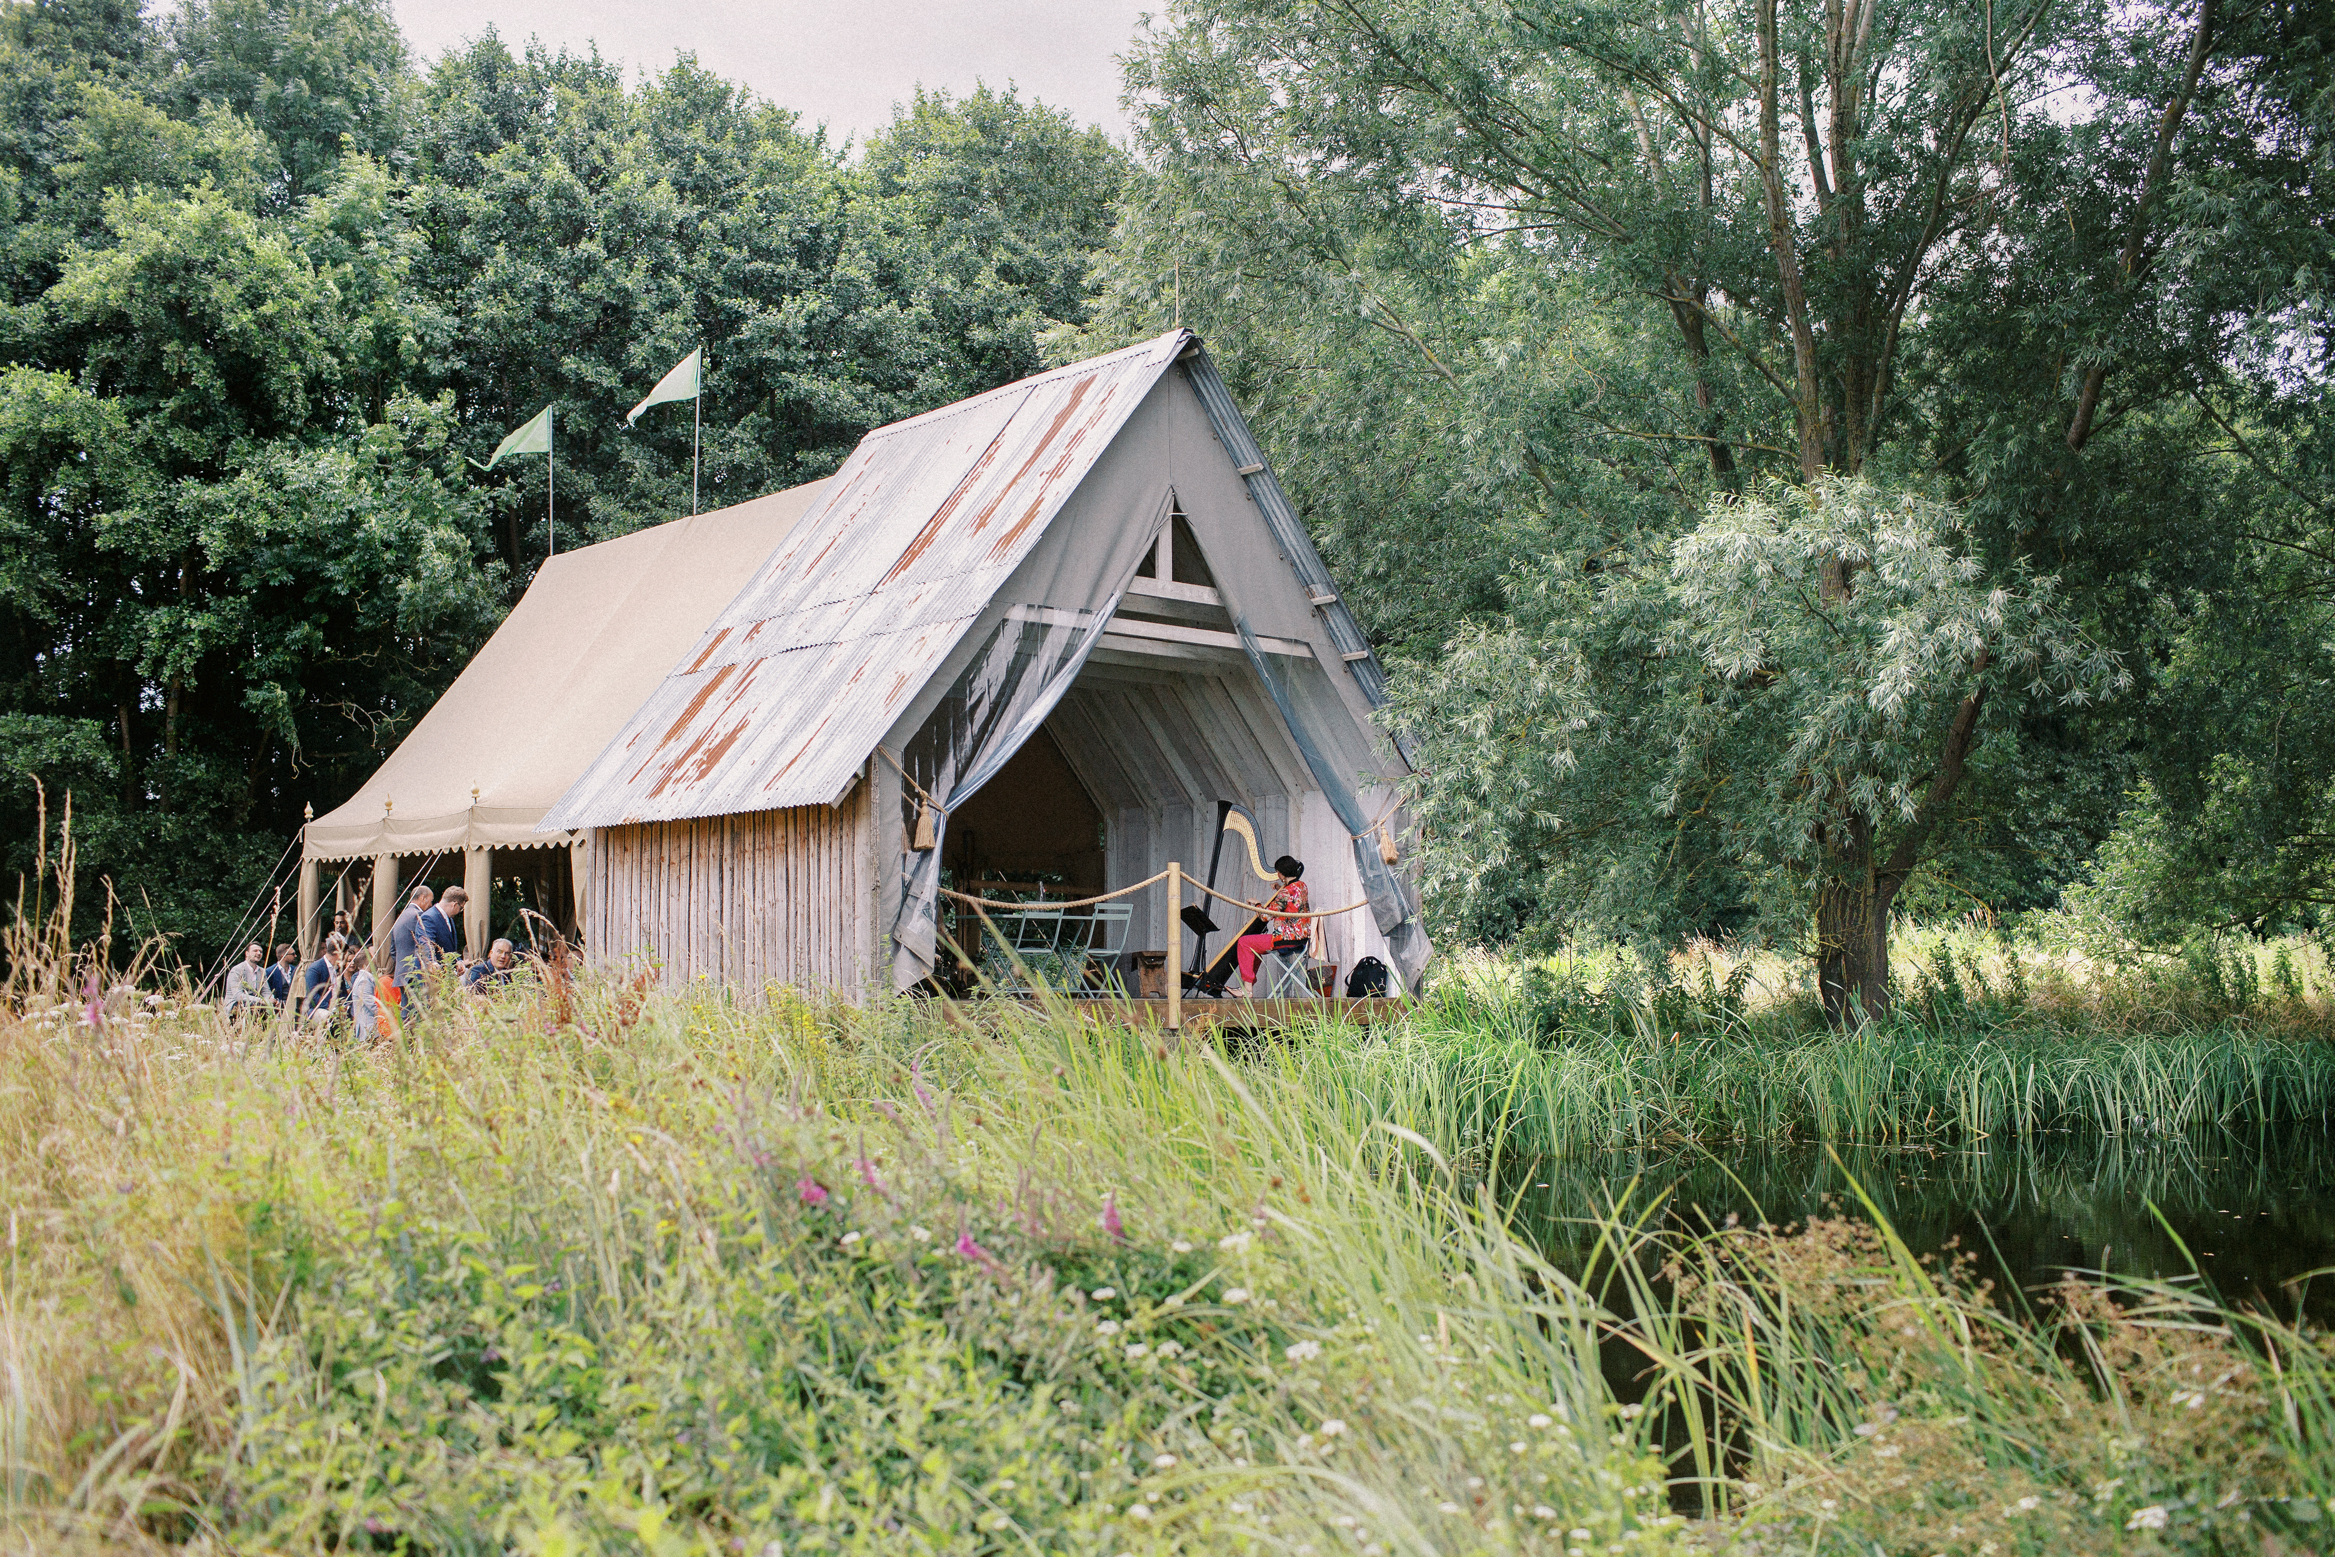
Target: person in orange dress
[{"x": 1289, "y": 897}]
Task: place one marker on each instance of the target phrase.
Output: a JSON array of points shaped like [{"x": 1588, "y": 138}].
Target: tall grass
[
  {"x": 684, "y": 1278},
  {"x": 661, "y": 1273},
  {"x": 1827, "y": 1391}
]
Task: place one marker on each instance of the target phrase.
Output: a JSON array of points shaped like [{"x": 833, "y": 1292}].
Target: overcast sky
[{"x": 842, "y": 61}]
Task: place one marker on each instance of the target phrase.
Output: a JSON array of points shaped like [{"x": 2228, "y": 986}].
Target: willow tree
[{"x": 1923, "y": 245}]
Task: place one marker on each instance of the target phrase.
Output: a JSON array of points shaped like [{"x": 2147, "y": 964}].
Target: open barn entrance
[{"x": 1032, "y": 829}]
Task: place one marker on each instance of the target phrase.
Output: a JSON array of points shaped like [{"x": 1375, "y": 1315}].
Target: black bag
[{"x": 1367, "y": 981}]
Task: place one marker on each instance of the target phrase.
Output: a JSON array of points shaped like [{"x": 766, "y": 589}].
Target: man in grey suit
[{"x": 411, "y": 948}]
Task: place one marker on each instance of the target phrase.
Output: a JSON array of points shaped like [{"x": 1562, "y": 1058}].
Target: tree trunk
[{"x": 1852, "y": 948}]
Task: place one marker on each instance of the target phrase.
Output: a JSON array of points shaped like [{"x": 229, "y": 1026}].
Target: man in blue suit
[{"x": 440, "y": 923}]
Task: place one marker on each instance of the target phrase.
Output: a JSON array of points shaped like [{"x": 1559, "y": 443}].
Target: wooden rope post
[{"x": 1175, "y": 967}]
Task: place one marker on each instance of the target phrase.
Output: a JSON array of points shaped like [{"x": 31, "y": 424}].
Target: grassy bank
[{"x": 679, "y": 1278}]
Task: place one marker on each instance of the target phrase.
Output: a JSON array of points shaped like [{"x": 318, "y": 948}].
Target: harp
[{"x": 1209, "y": 979}]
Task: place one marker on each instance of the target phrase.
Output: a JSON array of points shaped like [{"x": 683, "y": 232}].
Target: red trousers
[{"x": 1251, "y": 947}]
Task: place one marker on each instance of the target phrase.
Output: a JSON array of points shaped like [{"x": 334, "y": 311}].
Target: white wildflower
[
  {"x": 1171, "y": 1348},
  {"x": 851, "y": 1237},
  {"x": 1543, "y": 1511},
  {"x": 1332, "y": 1428},
  {"x": 1302, "y": 1351},
  {"x": 1107, "y": 1327},
  {"x": 1516, "y": 1447},
  {"x": 1233, "y": 1243},
  {"x": 1236, "y": 1295},
  {"x": 1138, "y": 1511},
  {"x": 1447, "y": 1508},
  {"x": 1137, "y": 1349},
  {"x": 1163, "y": 1462},
  {"x": 1181, "y": 1247},
  {"x": 2153, "y": 1517},
  {"x": 1537, "y": 1420},
  {"x": 921, "y": 1235},
  {"x": 1104, "y": 1294}
]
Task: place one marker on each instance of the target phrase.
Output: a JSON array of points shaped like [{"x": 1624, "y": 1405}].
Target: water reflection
[{"x": 2256, "y": 1210}]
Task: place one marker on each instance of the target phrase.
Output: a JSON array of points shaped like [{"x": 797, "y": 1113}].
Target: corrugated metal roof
[{"x": 795, "y": 683}]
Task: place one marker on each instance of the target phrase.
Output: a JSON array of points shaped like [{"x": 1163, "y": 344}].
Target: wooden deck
[{"x": 1245, "y": 1015}]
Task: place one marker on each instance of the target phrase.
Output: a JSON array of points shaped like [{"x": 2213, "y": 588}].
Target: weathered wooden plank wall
[{"x": 753, "y": 900}]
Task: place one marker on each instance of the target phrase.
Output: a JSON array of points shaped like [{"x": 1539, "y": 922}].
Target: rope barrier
[
  {"x": 1083, "y": 902},
  {"x": 1275, "y": 913}
]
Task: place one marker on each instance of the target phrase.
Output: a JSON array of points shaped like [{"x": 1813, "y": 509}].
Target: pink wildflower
[
  {"x": 813, "y": 1193},
  {"x": 95, "y": 993},
  {"x": 1111, "y": 1223},
  {"x": 867, "y": 1174},
  {"x": 973, "y": 1251}
]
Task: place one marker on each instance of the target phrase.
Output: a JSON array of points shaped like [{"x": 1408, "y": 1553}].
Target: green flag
[
  {"x": 680, "y": 384},
  {"x": 534, "y": 438}
]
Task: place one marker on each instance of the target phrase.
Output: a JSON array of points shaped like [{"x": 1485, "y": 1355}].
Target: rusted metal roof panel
[{"x": 789, "y": 690}]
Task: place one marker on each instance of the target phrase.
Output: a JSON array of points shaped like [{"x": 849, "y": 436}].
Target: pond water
[{"x": 2252, "y": 1214}]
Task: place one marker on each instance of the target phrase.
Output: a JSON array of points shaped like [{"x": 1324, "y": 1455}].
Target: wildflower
[
  {"x": 810, "y": 1191},
  {"x": 2027, "y": 1505},
  {"x": 1240, "y": 1508},
  {"x": 1236, "y": 1295},
  {"x": 852, "y": 1237},
  {"x": 920, "y": 1234},
  {"x": 1104, "y": 1294},
  {"x": 1180, "y": 1247},
  {"x": 1447, "y": 1508},
  {"x": 1107, "y": 1327},
  {"x": 1138, "y": 1511},
  {"x": 2152, "y": 1517},
  {"x": 916, "y": 1082},
  {"x": 1171, "y": 1348},
  {"x": 971, "y": 1250},
  {"x": 1332, "y": 1428},
  {"x": 1543, "y": 1511},
  {"x": 1233, "y": 1243},
  {"x": 1137, "y": 1349},
  {"x": 1516, "y": 1447},
  {"x": 1302, "y": 1351},
  {"x": 1537, "y": 1419},
  {"x": 1475, "y": 1483},
  {"x": 1111, "y": 1223},
  {"x": 1163, "y": 1462},
  {"x": 1633, "y": 1410},
  {"x": 1576, "y": 1535},
  {"x": 867, "y": 1174}
]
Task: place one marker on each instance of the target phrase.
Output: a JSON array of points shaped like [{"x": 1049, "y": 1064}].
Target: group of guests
[{"x": 342, "y": 985}]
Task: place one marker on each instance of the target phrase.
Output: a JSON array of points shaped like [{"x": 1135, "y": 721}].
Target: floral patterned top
[{"x": 1291, "y": 898}]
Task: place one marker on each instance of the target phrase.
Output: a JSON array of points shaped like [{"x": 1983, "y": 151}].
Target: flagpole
[
  {"x": 696, "y": 406},
  {"x": 550, "y": 508}
]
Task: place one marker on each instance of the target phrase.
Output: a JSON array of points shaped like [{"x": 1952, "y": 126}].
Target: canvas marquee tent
[{"x": 596, "y": 630}]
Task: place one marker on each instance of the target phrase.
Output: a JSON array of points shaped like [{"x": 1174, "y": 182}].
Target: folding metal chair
[{"x": 1281, "y": 971}]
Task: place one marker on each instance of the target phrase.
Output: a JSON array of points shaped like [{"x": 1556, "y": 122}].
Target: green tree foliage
[
  {"x": 267, "y": 285},
  {"x": 1538, "y": 290}
]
